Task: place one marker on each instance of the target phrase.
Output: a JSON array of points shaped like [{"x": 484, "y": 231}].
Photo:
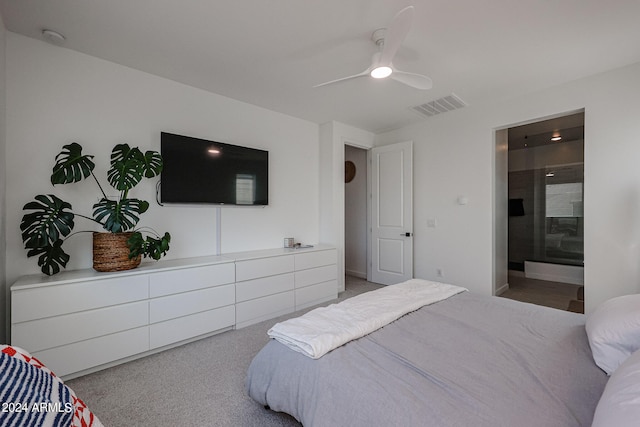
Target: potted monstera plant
[{"x": 49, "y": 221}]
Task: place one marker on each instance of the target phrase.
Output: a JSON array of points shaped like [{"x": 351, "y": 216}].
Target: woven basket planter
[{"x": 111, "y": 253}]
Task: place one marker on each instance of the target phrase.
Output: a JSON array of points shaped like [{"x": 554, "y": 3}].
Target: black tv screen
[{"x": 201, "y": 171}]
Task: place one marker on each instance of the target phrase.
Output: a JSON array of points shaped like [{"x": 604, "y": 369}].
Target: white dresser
[
  {"x": 189, "y": 302},
  {"x": 81, "y": 321},
  {"x": 271, "y": 283},
  {"x": 316, "y": 275}
]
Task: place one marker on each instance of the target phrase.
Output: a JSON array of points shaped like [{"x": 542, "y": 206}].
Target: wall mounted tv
[{"x": 200, "y": 171}]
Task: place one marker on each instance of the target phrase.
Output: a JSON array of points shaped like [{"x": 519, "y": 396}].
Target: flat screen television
[{"x": 208, "y": 172}]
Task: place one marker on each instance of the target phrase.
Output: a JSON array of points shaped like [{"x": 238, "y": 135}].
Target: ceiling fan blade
[
  {"x": 364, "y": 73},
  {"x": 417, "y": 81},
  {"x": 395, "y": 34}
]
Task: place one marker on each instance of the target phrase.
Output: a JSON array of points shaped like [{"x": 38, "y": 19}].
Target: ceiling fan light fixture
[
  {"x": 389, "y": 41},
  {"x": 381, "y": 72}
]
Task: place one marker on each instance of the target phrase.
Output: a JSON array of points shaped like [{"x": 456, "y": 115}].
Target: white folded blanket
[{"x": 326, "y": 328}]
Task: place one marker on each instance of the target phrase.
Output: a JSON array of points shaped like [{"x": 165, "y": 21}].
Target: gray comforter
[{"x": 467, "y": 361}]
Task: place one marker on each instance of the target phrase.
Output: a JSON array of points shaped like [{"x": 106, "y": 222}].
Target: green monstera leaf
[
  {"x": 136, "y": 245},
  {"x": 119, "y": 216},
  {"x": 157, "y": 248},
  {"x": 152, "y": 164},
  {"x": 71, "y": 165},
  {"x": 51, "y": 258},
  {"x": 43, "y": 229},
  {"x": 127, "y": 167},
  {"x": 48, "y": 221},
  {"x": 152, "y": 247}
]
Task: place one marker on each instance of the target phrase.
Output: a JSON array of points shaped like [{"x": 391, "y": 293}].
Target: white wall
[
  {"x": 355, "y": 218},
  {"x": 451, "y": 161},
  {"x": 454, "y": 154},
  {"x": 56, "y": 96},
  {"x": 4, "y": 290}
]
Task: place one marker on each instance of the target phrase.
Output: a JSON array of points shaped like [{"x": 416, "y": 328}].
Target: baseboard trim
[
  {"x": 516, "y": 273},
  {"x": 554, "y": 272},
  {"x": 502, "y": 289},
  {"x": 358, "y": 274}
]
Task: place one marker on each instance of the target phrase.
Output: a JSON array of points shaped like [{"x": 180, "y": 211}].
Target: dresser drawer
[
  {"x": 315, "y": 259},
  {"x": 38, "y": 303},
  {"x": 41, "y": 334},
  {"x": 88, "y": 354},
  {"x": 263, "y": 267},
  {"x": 312, "y": 276},
  {"x": 315, "y": 294},
  {"x": 190, "y": 279},
  {"x": 256, "y": 310},
  {"x": 183, "y": 328},
  {"x": 178, "y": 305},
  {"x": 257, "y": 288}
]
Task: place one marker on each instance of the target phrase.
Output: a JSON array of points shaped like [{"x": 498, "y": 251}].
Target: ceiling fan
[{"x": 388, "y": 41}]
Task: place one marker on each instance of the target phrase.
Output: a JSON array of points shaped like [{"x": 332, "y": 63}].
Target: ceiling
[
  {"x": 568, "y": 128},
  {"x": 271, "y": 53}
]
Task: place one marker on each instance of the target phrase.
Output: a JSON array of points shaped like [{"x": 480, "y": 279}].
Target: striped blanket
[{"x": 32, "y": 395}]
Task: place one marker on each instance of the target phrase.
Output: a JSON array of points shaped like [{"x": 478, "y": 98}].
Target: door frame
[
  {"x": 367, "y": 190},
  {"x": 500, "y": 163}
]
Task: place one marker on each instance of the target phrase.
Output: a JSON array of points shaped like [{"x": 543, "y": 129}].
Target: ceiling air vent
[{"x": 440, "y": 105}]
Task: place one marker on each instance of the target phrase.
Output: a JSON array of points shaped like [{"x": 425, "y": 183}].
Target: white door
[{"x": 392, "y": 213}]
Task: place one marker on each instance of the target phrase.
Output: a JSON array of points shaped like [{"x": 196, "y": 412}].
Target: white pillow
[
  {"x": 613, "y": 330},
  {"x": 619, "y": 405}
]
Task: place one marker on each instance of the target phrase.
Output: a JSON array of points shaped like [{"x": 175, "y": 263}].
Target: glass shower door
[{"x": 564, "y": 214}]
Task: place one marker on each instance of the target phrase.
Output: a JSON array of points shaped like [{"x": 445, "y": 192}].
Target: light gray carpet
[{"x": 197, "y": 384}]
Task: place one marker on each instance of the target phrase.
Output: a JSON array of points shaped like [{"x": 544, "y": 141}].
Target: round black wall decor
[{"x": 349, "y": 171}]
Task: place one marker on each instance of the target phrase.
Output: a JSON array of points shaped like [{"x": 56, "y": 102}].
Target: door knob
[{"x": 407, "y": 234}]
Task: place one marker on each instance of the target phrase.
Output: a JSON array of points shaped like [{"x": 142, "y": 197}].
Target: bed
[{"x": 467, "y": 360}]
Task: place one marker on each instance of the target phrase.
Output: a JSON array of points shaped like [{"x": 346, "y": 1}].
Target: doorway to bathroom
[{"x": 546, "y": 215}]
